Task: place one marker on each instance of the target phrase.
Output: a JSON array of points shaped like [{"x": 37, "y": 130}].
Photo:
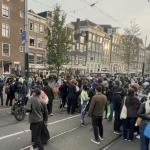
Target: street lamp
[{"x": 26, "y": 52}]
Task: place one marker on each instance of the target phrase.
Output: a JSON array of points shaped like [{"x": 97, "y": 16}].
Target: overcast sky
[{"x": 116, "y": 12}]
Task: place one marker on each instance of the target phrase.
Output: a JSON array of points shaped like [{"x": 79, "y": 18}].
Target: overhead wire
[{"x": 103, "y": 12}]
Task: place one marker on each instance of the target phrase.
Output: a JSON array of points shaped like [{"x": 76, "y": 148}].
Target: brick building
[
  {"x": 11, "y": 26},
  {"x": 37, "y": 26}
]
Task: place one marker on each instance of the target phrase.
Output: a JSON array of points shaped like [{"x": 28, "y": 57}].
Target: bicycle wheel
[{"x": 19, "y": 113}]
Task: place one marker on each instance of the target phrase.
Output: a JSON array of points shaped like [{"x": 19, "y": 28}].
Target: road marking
[
  {"x": 25, "y": 131},
  {"x": 60, "y": 134},
  {"x": 2, "y": 109},
  {"x": 108, "y": 146}
]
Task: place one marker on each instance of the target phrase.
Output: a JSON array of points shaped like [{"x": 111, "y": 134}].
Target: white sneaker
[
  {"x": 31, "y": 148},
  {"x": 138, "y": 137},
  {"x": 95, "y": 141},
  {"x": 117, "y": 133},
  {"x": 102, "y": 139}
]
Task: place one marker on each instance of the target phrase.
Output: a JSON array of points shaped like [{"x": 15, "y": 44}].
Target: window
[
  {"x": 81, "y": 47},
  {"x": 90, "y": 36},
  {"x": 40, "y": 43},
  {"x": 5, "y": 30},
  {"x": 5, "y": 10},
  {"x": 78, "y": 46},
  {"x": 6, "y": 68},
  {"x": 6, "y": 49},
  {"x": 21, "y": 30},
  {"x": 36, "y": 27},
  {"x": 21, "y": 14},
  {"x": 31, "y": 26},
  {"x": 39, "y": 59},
  {"x": 101, "y": 40},
  {"x": 89, "y": 46},
  {"x": 31, "y": 58},
  {"x": 32, "y": 42},
  {"x": 21, "y": 48},
  {"x": 73, "y": 47},
  {"x": 41, "y": 28}
]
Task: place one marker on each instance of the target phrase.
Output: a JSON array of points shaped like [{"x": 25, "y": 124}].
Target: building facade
[
  {"x": 11, "y": 27},
  {"x": 37, "y": 26},
  {"x": 147, "y": 60},
  {"x": 88, "y": 45}
]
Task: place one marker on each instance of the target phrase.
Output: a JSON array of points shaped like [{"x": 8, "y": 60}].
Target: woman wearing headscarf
[{"x": 144, "y": 114}]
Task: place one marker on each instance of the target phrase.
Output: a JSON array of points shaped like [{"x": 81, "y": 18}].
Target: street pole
[
  {"x": 26, "y": 51},
  {"x": 143, "y": 67},
  {"x": 111, "y": 46}
]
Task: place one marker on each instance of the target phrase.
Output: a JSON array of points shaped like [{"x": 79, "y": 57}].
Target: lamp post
[
  {"x": 26, "y": 51},
  {"x": 110, "y": 59}
]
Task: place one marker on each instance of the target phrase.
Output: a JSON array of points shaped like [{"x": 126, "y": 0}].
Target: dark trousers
[
  {"x": 71, "y": 105},
  {"x": 117, "y": 121},
  {"x": 128, "y": 128},
  {"x": 1, "y": 96},
  {"x": 9, "y": 100},
  {"x": 36, "y": 132},
  {"x": 50, "y": 107},
  {"x": 63, "y": 103},
  {"x": 97, "y": 126},
  {"x": 143, "y": 139}
]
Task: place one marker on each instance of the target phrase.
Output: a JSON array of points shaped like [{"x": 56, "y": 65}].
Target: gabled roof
[{"x": 85, "y": 23}]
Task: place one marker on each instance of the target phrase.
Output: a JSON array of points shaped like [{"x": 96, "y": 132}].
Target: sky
[{"x": 118, "y": 13}]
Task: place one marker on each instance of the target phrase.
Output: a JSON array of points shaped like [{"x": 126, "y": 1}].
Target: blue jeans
[
  {"x": 83, "y": 112},
  {"x": 128, "y": 128},
  {"x": 143, "y": 139}
]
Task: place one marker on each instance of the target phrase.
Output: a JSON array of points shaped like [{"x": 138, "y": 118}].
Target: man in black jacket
[
  {"x": 117, "y": 105},
  {"x": 49, "y": 92}
]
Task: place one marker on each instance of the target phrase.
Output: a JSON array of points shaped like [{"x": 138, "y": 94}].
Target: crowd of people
[{"x": 125, "y": 100}]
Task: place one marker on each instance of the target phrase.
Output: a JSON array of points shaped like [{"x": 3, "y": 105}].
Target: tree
[
  {"x": 58, "y": 40},
  {"x": 130, "y": 44}
]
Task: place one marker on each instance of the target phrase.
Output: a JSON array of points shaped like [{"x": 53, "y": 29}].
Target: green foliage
[{"x": 58, "y": 40}]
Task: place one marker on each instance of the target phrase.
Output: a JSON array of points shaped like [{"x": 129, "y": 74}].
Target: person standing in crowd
[
  {"x": 96, "y": 112},
  {"x": 37, "y": 116},
  {"x": 84, "y": 102},
  {"x": 71, "y": 97},
  {"x": 63, "y": 90},
  {"x": 10, "y": 91},
  {"x": 109, "y": 96},
  {"x": 144, "y": 114},
  {"x": 117, "y": 105},
  {"x": 132, "y": 104},
  {"x": 49, "y": 92},
  {"x": 1, "y": 91}
]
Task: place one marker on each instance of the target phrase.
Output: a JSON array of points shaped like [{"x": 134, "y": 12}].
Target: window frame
[
  {"x": 3, "y": 54},
  {"x": 30, "y": 22},
  {"x": 4, "y": 10},
  {"x": 32, "y": 54},
  {"x": 6, "y": 25},
  {"x": 34, "y": 42}
]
